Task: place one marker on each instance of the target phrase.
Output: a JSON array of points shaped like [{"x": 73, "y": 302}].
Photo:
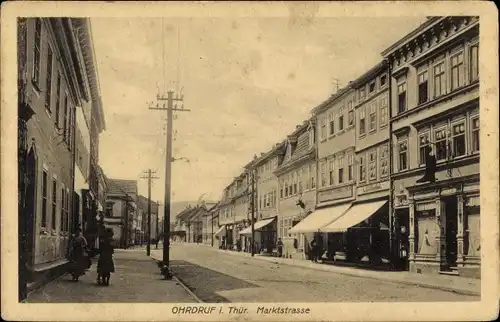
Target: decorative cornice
[
  {"x": 332, "y": 99},
  {"x": 363, "y": 79},
  {"x": 285, "y": 167}
]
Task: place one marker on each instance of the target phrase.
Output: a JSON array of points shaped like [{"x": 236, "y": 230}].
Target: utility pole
[
  {"x": 157, "y": 222},
  {"x": 170, "y": 108},
  {"x": 150, "y": 176}
]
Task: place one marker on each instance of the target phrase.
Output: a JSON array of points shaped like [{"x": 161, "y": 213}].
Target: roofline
[
  {"x": 270, "y": 153},
  {"x": 370, "y": 73},
  {"x": 429, "y": 22},
  {"x": 340, "y": 93}
]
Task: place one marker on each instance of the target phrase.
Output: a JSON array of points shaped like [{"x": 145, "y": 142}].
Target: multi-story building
[
  {"x": 53, "y": 88},
  {"x": 435, "y": 77},
  {"x": 212, "y": 225},
  {"x": 226, "y": 219},
  {"x": 335, "y": 191},
  {"x": 297, "y": 186},
  {"x": 121, "y": 211}
]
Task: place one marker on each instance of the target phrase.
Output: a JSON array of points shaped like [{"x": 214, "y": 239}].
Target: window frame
[
  {"x": 323, "y": 173},
  {"x": 48, "y": 80},
  {"x": 350, "y": 167},
  {"x": 443, "y": 128},
  {"x": 370, "y": 91},
  {"x": 340, "y": 168},
  {"x": 421, "y": 147},
  {"x": 384, "y": 111},
  {"x": 419, "y": 84},
  {"x": 442, "y": 78},
  {"x": 350, "y": 114},
  {"x": 400, "y": 85},
  {"x": 331, "y": 124},
  {"x": 373, "y": 117},
  {"x": 362, "y": 168},
  {"x": 459, "y": 67},
  {"x": 384, "y": 158},
  {"x": 341, "y": 119},
  {"x": 472, "y": 132},
  {"x": 323, "y": 132},
  {"x": 372, "y": 164},
  {"x": 384, "y": 76},
  {"x": 406, "y": 155},
  {"x": 453, "y": 137},
  {"x": 331, "y": 171},
  {"x": 63, "y": 209},
  {"x": 362, "y": 121}
]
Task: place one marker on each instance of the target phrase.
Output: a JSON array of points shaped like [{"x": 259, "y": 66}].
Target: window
[
  {"x": 323, "y": 173},
  {"x": 383, "y": 80},
  {"x": 36, "y": 51},
  {"x": 362, "y": 116},
  {"x": 341, "y": 168},
  {"x": 372, "y": 166},
  {"x": 48, "y": 83},
  {"x": 281, "y": 189},
  {"x": 323, "y": 127},
  {"x": 439, "y": 80},
  {"x": 458, "y": 138},
  {"x": 58, "y": 100},
  {"x": 350, "y": 167},
  {"x": 457, "y": 70},
  {"x": 350, "y": 113},
  {"x": 383, "y": 112},
  {"x": 423, "y": 87},
  {"x": 403, "y": 155},
  {"x": 474, "y": 62},
  {"x": 423, "y": 143},
  {"x": 402, "y": 98},
  {"x": 65, "y": 124},
  {"x": 384, "y": 161},
  {"x": 54, "y": 204},
  {"x": 372, "y": 87},
  {"x": 441, "y": 146},
  {"x": 362, "y": 169},
  {"x": 475, "y": 134},
  {"x": 373, "y": 116},
  {"x": 331, "y": 119},
  {"x": 295, "y": 183},
  {"x": 63, "y": 208},
  {"x": 341, "y": 119},
  {"x": 313, "y": 177},
  {"x": 66, "y": 215},
  {"x": 330, "y": 171},
  {"x": 44, "y": 199},
  {"x": 362, "y": 93}
]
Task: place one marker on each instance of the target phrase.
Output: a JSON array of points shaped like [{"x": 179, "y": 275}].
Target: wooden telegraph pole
[{"x": 149, "y": 175}]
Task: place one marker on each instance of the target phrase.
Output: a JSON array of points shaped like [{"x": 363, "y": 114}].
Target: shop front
[
  {"x": 444, "y": 226},
  {"x": 265, "y": 232},
  {"x": 219, "y": 235}
]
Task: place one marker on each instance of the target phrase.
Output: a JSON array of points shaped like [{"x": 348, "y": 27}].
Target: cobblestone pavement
[
  {"x": 137, "y": 280},
  {"x": 217, "y": 277}
]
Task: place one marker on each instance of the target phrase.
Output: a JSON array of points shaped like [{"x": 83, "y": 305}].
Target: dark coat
[{"x": 105, "y": 263}]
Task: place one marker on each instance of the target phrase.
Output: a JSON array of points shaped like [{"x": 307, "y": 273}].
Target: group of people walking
[{"x": 80, "y": 259}]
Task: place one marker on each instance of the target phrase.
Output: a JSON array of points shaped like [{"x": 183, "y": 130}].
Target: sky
[{"x": 248, "y": 82}]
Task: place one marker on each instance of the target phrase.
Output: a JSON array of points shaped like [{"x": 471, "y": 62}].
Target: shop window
[
  {"x": 403, "y": 155},
  {"x": 372, "y": 166},
  {"x": 36, "y": 52},
  {"x": 457, "y": 70},
  {"x": 323, "y": 174},
  {"x": 331, "y": 173},
  {"x": 439, "y": 80},
  {"x": 54, "y": 205},
  {"x": 384, "y": 160},
  {"x": 458, "y": 138},
  {"x": 474, "y": 62},
  {"x": 441, "y": 144},
  {"x": 350, "y": 167},
  {"x": 373, "y": 116},
  {"x": 423, "y": 143},
  {"x": 48, "y": 81},
  {"x": 341, "y": 119},
  {"x": 362, "y": 169},
  {"x": 475, "y": 134},
  {"x": 331, "y": 119},
  {"x": 401, "y": 98},
  {"x": 423, "y": 87},
  {"x": 362, "y": 121},
  {"x": 350, "y": 113},
  {"x": 383, "y": 112},
  {"x": 44, "y": 198}
]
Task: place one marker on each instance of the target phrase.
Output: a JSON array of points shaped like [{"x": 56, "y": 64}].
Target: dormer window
[{"x": 372, "y": 87}]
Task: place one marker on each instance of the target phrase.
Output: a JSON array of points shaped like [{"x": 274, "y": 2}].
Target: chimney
[{"x": 297, "y": 127}]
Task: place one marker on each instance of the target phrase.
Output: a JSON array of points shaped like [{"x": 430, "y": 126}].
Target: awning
[
  {"x": 354, "y": 216},
  {"x": 258, "y": 225},
  {"x": 319, "y": 219},
  {"x": 220, "y": 231}
]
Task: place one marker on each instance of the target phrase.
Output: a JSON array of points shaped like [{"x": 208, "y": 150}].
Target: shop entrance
[
  {"x": 402, "y": 230},
  {"x": 451, "y": 231}
]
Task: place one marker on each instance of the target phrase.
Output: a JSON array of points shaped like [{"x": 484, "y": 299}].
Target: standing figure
[
  {"x": 78, "y": 259},
  {"x": 314, "y": 250},
  {"x": 279, "y": 246},
  {"x": 156, "y": 242},
  {"x": 105, "y": 264}
]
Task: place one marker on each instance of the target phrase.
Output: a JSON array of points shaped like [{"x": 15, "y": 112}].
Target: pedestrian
[
  {"x": 314, "y": 250},
  {"x": 105, "y": 264},
  {"x": 279, "y": 245},
  {"x": 156, "y": 242},
  {"x": 78, "y": 258}
]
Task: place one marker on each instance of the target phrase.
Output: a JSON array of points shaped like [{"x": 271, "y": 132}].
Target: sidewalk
[
  {"x": 456, "y": 284},
  {"x": 137, "y": 280}
]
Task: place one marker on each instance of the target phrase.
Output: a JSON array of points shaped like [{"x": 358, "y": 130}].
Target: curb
[
  {"x": 423, "y": 285},
  {"x": 183, "y": 285}
]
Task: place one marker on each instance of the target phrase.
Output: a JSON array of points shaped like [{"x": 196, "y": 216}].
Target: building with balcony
[
  {"x": 435, "y": 77},
  {"x": 297, "y": 187}
]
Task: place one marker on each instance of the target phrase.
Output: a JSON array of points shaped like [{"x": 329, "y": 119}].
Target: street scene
[{"x": 221, "y": 160}]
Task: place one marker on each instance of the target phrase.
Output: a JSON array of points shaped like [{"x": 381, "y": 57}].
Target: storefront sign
[
  {"x": 338, "y": 193},
  {"x": 373, "y": 187}
]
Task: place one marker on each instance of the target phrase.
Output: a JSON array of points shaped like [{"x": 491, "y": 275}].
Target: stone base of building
[
  {"x": 46, "y": 273},
  {"x": 424, "y": 267},
  {"x": 470, "y": 271}
]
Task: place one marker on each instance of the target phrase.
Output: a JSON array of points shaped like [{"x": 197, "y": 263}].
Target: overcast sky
[{"x": 247, "y": 81}]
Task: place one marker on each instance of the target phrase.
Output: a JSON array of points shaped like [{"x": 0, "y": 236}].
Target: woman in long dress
[
  {"x": 105, "y": 264},
  {"x": 78, "y": 259}
]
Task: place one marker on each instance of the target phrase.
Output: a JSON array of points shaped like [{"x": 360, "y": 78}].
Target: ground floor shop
[
  {"x": 265, "y": 235},
  {"x": 443, "y": 221}
]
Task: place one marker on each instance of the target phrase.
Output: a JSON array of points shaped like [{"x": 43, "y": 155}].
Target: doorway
[
  {"x": 402, "y": 231},
  {"x": 30, "y": 215},
  {"x": 451, "y": 226}
]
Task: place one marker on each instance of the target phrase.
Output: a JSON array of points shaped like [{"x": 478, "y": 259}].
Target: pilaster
[
  {"x": 411, "y": 236},
  {"x": 440, "y": 231},
  {"x": 460, "y": 229}
]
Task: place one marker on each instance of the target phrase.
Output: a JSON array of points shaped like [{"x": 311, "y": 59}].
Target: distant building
[
  {"x": 143, "y": 212},
  {"x": 121, "y": 211}
]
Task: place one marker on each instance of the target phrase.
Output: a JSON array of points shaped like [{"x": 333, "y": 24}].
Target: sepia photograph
[{"x": 247, "y": 165}]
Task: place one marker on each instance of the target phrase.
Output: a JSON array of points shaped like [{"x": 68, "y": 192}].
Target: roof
[
  {"x": 340, "y": 93},
  {"x": 369, "y": 74},
  {"x": 274, "y": 150},
  {"x": 121, "y": 186}
]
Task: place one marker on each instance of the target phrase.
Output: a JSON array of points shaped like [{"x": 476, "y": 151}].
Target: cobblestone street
[
  {"x": 220, "y": 277},
  {"x": 137, "y": 280}
]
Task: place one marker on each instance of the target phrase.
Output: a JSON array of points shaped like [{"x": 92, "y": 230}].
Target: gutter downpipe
[{"x": 392, "y": 241}]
